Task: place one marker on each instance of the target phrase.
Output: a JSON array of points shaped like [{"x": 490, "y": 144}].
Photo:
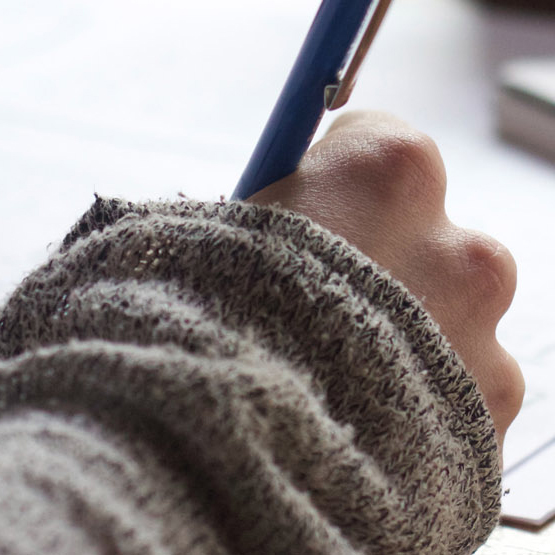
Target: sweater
[{"x": 223, "y": 378}]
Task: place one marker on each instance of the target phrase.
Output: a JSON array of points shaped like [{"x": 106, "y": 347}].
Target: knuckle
[
  {"x": 490, "y": 268},
  {"x": 347, "y": 119},
  {"x": 417, "y": 164},
  {"x": 404, "y": 160},
  {"x": 506, "y": 394},
  {"x": 380, "y": 148},
  {"x": 398, "y": 167}
]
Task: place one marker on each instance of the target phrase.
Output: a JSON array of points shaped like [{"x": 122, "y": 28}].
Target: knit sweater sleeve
[{"x": 221, "y": 378}]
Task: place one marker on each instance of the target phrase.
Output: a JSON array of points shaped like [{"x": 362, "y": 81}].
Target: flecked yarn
[{"x": 222, "y": 378}]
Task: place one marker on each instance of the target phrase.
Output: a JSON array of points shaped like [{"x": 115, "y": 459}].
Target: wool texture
[{"x": 223, "y": 378}]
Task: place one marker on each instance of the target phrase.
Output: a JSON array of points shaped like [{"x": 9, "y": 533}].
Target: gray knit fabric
[{"x": 190, "y": 378}]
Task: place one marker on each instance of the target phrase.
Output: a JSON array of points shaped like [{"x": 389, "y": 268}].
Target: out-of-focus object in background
[
  {"x": 526, "y": 104},
  {"x": 529, "y": 5}
]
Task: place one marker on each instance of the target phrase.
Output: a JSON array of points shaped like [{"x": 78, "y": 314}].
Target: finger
[
  {"x": 473, "y": 279},
  {"x": 472, "y": 284},
  {"x": 484, "y": 272},
  {"x": 366, "y": 118},
  {"x": 385, "y": 163},
  {"x": 502, "y": 384}
]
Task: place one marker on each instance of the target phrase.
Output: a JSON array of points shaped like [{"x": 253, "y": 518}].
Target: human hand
[{"x": 381, "y": 185}]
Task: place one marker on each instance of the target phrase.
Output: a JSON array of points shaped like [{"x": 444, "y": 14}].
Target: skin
[{"x": 381, "y": 185}]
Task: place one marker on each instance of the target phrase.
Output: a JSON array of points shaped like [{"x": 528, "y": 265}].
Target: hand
[{"x": 381, "y": 185}]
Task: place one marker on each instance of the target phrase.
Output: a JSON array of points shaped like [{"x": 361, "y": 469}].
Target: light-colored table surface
[
  {"x": 510, "y": 541},
  {"x": 150, "y": 98}
]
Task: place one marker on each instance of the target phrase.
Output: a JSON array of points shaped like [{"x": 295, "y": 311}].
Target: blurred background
[{"x": 146, "y": 99}]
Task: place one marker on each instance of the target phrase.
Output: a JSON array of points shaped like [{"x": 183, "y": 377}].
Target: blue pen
[{"x": 322, "y": 78}]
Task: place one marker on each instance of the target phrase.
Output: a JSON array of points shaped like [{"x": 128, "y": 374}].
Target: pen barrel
[{"x": 301, "y": 104}]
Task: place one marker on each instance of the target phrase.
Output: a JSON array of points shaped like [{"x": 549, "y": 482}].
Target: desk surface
[
  {"x": 510, "y": 541},
  {"x": 148, "y": 99}
]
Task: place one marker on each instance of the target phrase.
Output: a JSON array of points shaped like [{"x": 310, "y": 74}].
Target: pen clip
[{"x": 337, "y": 94}]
